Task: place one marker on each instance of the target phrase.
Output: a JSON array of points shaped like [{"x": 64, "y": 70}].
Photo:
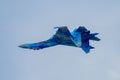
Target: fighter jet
[{"x": 80, "y": 38}]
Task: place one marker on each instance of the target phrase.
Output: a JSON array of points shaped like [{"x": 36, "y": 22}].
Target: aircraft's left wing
[
  {"x": 64, "y": 36},
  {"x": 63, "y": 31}
]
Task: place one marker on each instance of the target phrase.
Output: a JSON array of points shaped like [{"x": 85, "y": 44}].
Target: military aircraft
[{"x": 80, "y": 38}]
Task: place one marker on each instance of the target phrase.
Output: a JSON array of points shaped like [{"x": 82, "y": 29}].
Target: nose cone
[{"x": 24, "y": 46}]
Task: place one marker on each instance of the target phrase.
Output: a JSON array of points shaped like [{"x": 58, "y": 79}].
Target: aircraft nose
[{"x": 24, "y": 46}]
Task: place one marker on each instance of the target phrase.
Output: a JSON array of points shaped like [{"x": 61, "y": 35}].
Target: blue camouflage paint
[{"x": 78, "y": 38}]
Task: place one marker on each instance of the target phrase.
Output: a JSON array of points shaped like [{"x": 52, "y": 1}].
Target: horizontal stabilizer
[
  {"x": 94, "y": 34},
  {"x": 95, "y": 39},
  {"x": 91, "y": 47},
  {"x": 86, "y": 48}
]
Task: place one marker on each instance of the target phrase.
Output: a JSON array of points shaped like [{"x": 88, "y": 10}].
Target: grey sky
[{"x": 24, "y": 21}]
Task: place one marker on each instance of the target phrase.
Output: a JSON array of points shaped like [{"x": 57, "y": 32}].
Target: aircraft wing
[
  {"x": 63, "y": 31},
  {"x": 64, "y": 36}
]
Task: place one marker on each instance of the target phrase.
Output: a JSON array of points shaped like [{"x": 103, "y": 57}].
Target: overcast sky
[{"x": 26, "y": 21}]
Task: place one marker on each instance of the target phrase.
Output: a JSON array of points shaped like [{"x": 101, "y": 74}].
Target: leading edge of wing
[{"x": 63, "y": 31}]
